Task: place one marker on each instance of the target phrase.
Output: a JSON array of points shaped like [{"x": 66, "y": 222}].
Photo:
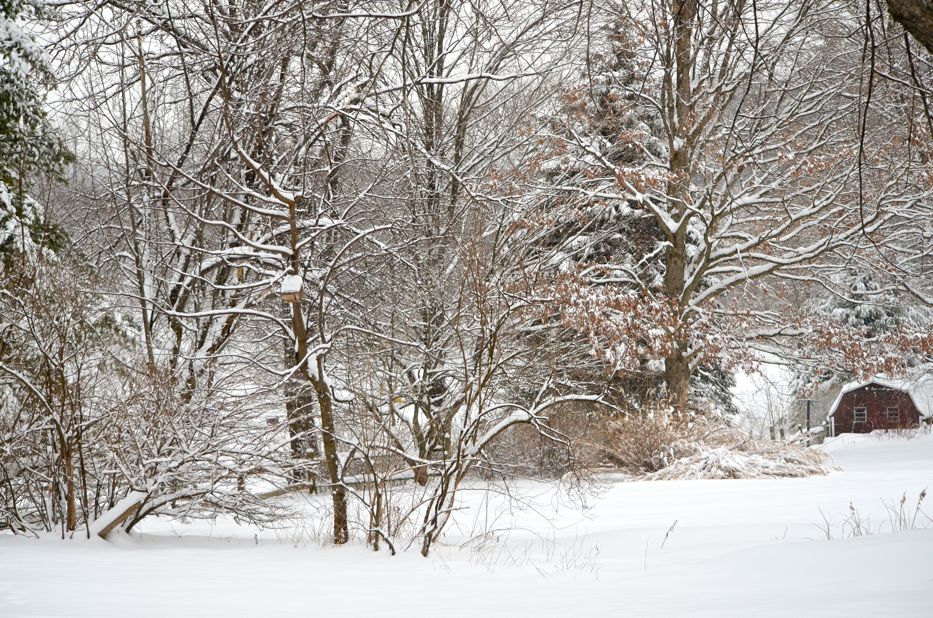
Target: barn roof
[{"x": 920, "y": 390}]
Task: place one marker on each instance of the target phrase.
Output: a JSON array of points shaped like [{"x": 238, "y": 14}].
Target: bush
[
  {"x": 657, "y": 444},
  {"x": 744, "y": 461},
  {"x": 645, "y": 443}
]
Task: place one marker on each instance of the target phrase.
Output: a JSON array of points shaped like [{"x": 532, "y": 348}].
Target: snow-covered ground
[{"x": 664, "y": 548}]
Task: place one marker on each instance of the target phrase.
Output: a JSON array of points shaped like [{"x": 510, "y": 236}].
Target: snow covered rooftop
[
  {"x": 919, "y": 388},
  {"x": 291, "y": 284}
]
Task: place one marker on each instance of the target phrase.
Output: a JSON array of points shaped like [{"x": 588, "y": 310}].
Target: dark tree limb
[{"x": 917, "y": 18}]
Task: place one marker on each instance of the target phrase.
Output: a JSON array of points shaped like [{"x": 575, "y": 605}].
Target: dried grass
[
  {"x": 659, "y": 444},
  {"x": 666, "y": 445},
  {"x": 746, "y": 461}
]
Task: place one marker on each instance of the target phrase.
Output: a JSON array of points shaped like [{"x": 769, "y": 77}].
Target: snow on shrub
[
  {"x": 749, "y": 461},
  {"x": 650, "y": 441},
  {"x": 665, "y": 444}
]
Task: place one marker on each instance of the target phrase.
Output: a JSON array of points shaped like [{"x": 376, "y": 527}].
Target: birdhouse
[{"x": 290, "y": 289}]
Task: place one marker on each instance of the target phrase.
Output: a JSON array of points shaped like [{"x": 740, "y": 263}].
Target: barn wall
[{"x": 876, "y": 400}]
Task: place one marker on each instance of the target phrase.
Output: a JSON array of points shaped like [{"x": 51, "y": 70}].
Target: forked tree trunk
[
  {"x": 328, "y": 428},
  {"x": 299, "y": 414},
  {"x": 315, "y": 375}
]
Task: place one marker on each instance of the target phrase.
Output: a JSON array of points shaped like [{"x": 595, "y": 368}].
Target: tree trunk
[
  {"x": 421, "y": 474},
  {"x": 328, "y": 427},
  {"x": 71, "y": 510},
  {"x": 677, "y": 362},
  {"x": 315, "y": 376},
  {"x": 299, "y": 414},
  {"x": 677, "y": 377},
  {"x": 331, "y": 461}
]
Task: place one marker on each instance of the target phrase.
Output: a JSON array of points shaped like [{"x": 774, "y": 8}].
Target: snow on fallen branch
[{"x": 121, "y": 511}]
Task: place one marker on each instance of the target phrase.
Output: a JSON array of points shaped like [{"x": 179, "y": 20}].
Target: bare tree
[{"x": 758, "y": 175}]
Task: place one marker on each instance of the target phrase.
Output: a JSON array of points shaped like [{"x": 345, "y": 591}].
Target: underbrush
[
  {"x": 667, "y": 445},
  {"x": 747, "y": 460},
  {"x": 657, "y": 444}
]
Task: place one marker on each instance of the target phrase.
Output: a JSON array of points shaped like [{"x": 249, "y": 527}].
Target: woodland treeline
[{"x": 373, "y": 249}]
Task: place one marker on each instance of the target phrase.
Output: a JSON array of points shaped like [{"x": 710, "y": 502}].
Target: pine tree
[
  {"x": 864, "y": 302},
  {"x": 29, "y": 145},
  {"x": 606, "y": 138},
  {"x": 864, "y": 326},
  {"x": 606, "y": 123}
]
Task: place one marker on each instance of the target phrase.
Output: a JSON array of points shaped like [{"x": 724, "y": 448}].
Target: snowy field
[{"x": 665, "y": 548}]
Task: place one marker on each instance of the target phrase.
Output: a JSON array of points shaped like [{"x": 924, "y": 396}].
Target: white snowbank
[{"x": 677, "y": 548}]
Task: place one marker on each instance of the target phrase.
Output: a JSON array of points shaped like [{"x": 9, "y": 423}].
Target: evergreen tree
[
  {"x": 28, "y": 144},
  {"x": 606, "y": 138},
  {"x": 862, "y": 323},
  {"x": 606, "y": 123},
  {"x": 863, "y": 301}
]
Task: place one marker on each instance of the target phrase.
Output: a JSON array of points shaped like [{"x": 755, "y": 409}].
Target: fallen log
[{"x": 113, "y": 517}]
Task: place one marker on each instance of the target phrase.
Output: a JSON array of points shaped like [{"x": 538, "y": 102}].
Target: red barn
[{"x": 877, "y": 404}]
